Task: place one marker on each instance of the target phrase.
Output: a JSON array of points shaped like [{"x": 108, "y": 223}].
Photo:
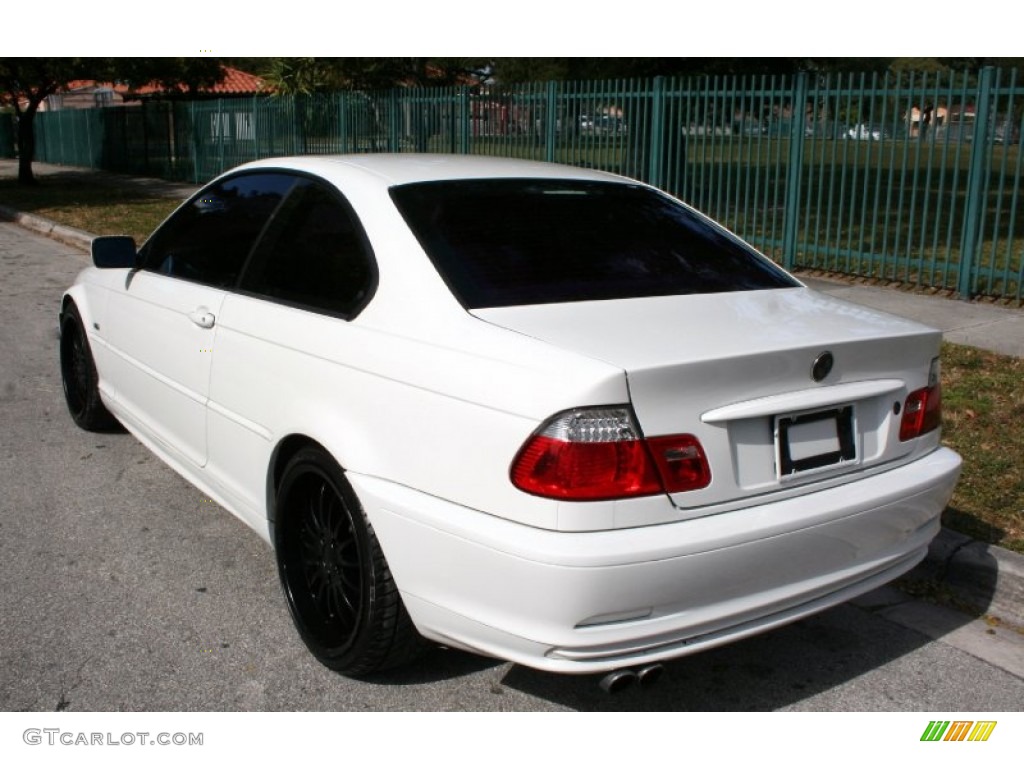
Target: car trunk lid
[{"x": 738, "y": 370}]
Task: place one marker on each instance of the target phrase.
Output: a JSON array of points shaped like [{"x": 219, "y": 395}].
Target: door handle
[{"x": 202, "y": 317}]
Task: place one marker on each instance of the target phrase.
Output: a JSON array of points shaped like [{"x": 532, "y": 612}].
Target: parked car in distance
[
  {"x": 1006, "y": 130},
  {"x": 541, "y": 413},
  {"x": 868, "y": 132},
  {"x": 1003, "y": 129}
]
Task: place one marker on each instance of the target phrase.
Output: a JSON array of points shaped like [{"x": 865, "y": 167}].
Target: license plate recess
[{"x": 815, "y": 441}]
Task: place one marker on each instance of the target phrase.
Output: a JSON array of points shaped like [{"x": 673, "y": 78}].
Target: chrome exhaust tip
[
  {"x": 649, "y": 675},
  {"x": 618, "y": 681}
]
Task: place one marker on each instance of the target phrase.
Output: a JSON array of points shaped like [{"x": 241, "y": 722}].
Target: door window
[
  {"x": 209, "y": 239},
  {"x": 313, "y": 254}
]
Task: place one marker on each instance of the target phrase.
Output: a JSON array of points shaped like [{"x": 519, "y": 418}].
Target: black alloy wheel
[
  {"x": 78, "y": 373},
  {"x": 339, "y": 588}
]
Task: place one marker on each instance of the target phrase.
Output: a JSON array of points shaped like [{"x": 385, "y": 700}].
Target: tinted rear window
[{"x": 506, "y": 242}]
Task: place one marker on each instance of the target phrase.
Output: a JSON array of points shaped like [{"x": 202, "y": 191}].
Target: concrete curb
[
  {"x": 67, "y": 235},
  {"x": 987, "y": 578},
  {"x": 984, "y": 577}
]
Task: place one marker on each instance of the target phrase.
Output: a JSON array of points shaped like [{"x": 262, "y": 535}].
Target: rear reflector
[
  {"x": 681, "y": 462},
  {"x": 597, "y": 454}
]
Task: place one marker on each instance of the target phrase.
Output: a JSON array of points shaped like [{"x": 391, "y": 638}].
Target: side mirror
[{"x": 114, "y": 252}]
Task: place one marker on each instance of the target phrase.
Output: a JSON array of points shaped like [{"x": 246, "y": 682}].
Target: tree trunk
[{"x": 26, "y": 145}]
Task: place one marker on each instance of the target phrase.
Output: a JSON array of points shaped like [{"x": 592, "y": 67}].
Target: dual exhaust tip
[{"x": 621, "y": 679}]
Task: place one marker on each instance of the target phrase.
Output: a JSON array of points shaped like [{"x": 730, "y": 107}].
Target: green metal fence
[
  {"x": 7, "y": 130},
  {"x": 911, "y": 177}
]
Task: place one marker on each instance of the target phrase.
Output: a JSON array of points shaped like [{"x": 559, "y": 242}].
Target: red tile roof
[
  {"x": 236, "y": 81},
  {"x": 233, "y": 82}
]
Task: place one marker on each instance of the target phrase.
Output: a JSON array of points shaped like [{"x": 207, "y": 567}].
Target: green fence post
[
  {"x": 795, "y": 170},
  {"x": 6, "y": 134},
  {"x": 294, "y": 100},
  {"x": 125, "y": 148},
  {"x": 655, "y": 162},
  {"x": 75, "y": 156},
  {"x": 392, "y": 121},
  {"x": 220, "y": 134},
  {"x": 465, "y": 122},
  {"x": 88, "y": 143},
  {"x": 551, "y": 121},
  {"x": 60, "y": 134},
  {"x": 145, "y": 140},
  {"x": 254, "y": 126},
  {"x": 343, "y": 122},
  {"x": 977, "y": 169},
  {"x": 195, "y": 143}
]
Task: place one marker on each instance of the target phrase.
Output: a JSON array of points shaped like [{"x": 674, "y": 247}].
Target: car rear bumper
[{"x": 590, "y": 602}]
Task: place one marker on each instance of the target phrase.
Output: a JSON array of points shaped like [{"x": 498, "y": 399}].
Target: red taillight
[
  {"x": 597, "y": 454},
  {"x": 584, "y": 471},
  {"x": 922, "y": 411}
]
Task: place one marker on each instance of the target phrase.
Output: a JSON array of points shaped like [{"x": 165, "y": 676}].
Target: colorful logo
[{"x": 958, "y": 730}]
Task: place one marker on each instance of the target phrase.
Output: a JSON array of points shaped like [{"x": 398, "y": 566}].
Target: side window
[
  {"x": 313, "y": 254},
  {"x": 209, "y": 240}
]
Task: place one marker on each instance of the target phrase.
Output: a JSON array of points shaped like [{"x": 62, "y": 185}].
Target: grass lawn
[
  {"x": 983, "y": 420},
  {"x": 97, "y": 208},
  {"x": 983, "y": 393}
]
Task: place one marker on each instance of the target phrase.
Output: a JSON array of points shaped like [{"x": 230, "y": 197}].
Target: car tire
[
  {"x": 336, "y": 581},
  {"x": 79, "y": 377}
]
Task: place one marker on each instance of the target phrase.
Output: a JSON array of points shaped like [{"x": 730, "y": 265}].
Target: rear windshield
[{"x": 506, "y": 242}]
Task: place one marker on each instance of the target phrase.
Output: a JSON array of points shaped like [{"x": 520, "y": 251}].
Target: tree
[
  {"x": 289, "y": 75},
  {"x": 302, "y": 75},
  {"x": 917, "y": 64},
  {"x": 25, "y": 83},
  {"x": 521, "y": 70},
  {"x": 177, "y": 76}
]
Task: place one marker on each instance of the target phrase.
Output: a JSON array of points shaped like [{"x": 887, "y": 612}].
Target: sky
[{"x": 518, "y": 28}]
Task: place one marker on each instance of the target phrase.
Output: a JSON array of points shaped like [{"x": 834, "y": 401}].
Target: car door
[
  {"x": 312, "y": 271},
  {"x": 162, "y": 327}
]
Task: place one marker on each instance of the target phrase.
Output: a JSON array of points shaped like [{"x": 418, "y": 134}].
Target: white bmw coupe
[{"x": 542, "y": 413}]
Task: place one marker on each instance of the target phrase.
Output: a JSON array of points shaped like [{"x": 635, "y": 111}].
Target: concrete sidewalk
[
  {"x": 986, "y": 577},
  {"x": 158, "y": 187},
  {"x": 997, "y": 329}
]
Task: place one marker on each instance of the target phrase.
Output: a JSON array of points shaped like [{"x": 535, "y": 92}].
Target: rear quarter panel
[{"x": 445, "y": 416}]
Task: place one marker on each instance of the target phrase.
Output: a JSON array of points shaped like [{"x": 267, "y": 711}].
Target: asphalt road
[{"x": 122, "y": 589}]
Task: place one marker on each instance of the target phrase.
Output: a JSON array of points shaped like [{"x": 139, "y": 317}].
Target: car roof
[{"x": 392, "y": 169}]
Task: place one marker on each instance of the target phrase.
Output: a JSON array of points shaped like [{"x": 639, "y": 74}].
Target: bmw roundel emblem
[{"x": 822, "y": 366}]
